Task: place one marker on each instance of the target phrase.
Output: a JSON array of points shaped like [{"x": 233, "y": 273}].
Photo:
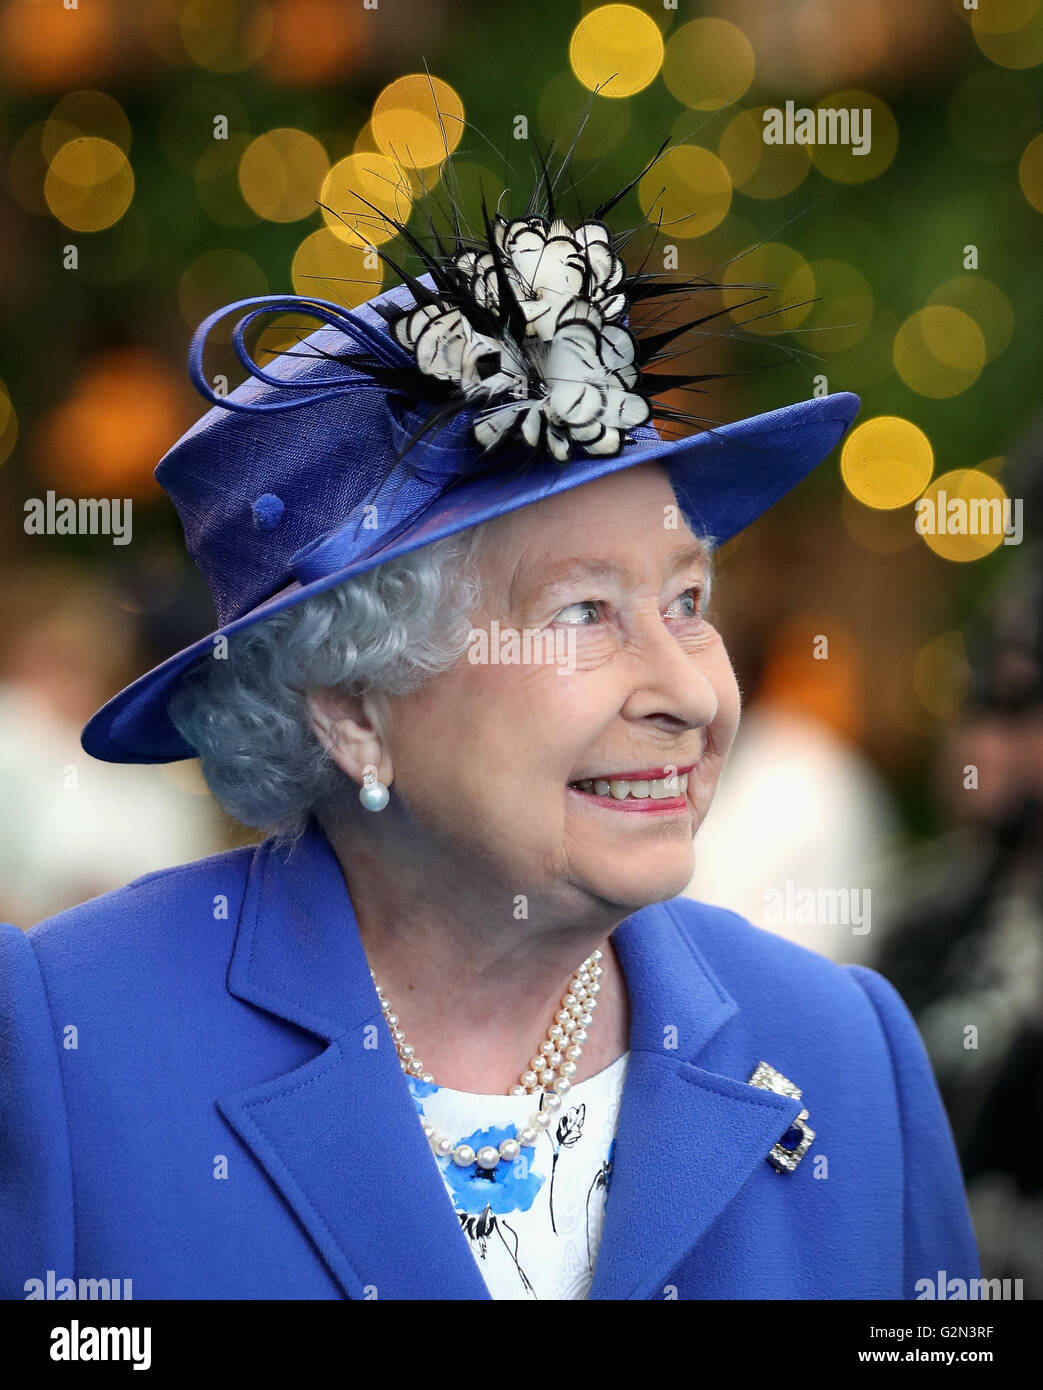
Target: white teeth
[
  {"x": 675, "y": 785},
  {"x": 655, "y": 788}
]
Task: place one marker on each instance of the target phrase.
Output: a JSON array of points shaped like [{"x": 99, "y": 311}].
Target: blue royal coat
[{"x": 186, "y": 1102}]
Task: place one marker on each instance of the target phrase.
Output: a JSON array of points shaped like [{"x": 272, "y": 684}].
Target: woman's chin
[{"x": 653, "y": 876}]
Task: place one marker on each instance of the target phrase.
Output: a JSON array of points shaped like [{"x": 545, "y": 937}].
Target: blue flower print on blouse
[
  {"x": 507, "y": 1187},
  {"x": 601, "y": 1181},
  {"x": 418, "y": 1089}
]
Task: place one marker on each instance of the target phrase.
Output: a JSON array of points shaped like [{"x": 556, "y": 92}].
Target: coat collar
[{"x": 688, "y": 1139}]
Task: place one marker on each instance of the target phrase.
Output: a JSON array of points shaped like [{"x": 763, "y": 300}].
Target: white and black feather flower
[
  {"x": 561, "y": 371},
  {"x": 527, "y": 328}
]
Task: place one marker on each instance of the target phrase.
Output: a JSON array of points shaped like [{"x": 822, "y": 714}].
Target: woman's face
[{"x": 487, "y": 756}]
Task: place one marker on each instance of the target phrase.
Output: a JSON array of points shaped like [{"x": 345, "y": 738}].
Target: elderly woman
[{"x": 450, "y": 1031}]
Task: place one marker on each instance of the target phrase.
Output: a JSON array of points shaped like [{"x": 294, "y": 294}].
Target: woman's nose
[{"x": 669, "y": 683}]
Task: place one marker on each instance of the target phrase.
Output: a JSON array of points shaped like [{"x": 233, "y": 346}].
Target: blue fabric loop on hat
[
  {"x": 268, "y": 511},
  {"x": 334, "y": 315}
]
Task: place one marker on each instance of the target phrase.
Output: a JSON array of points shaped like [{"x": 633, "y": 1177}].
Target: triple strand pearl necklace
[{"x": 549, "y": 1073}]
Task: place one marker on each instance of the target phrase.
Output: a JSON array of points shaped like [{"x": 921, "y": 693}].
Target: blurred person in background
[
  {"x": 799, "y": 804},
  {"x": 71, "y": 827},
  {"x": 967, "y": 951}
]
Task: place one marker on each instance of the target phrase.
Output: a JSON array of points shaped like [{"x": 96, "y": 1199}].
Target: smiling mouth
[{"x": 637, "y": 791}]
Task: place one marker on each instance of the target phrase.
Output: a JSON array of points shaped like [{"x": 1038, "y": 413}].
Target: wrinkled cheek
[
  {"x": 576, "y": 845},
  {"x": 721, "y": 733},
  {"x": 499, "y": 822},
  {"x": 702, "y": 781}
]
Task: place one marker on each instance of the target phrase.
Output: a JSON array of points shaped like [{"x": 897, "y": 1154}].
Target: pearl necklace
[{"x": 549, "y": 1072}]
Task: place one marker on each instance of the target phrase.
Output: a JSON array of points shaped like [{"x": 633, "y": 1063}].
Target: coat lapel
[
  {"x": 339, "y": 1136},
  {"x": 687, "y": 1139}
]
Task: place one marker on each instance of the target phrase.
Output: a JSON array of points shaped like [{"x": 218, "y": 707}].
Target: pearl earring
[{"x": 373, "y": 794}]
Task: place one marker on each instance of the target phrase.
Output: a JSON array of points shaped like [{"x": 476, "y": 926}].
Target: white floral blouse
[{"x": 534, "y": 1225}]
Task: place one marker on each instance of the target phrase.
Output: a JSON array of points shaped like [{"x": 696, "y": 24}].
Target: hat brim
[{"x": 724, "y": 479}]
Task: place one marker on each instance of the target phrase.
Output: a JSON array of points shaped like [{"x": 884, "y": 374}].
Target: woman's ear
[
  {"x": 350, "y": 728},
  {"x": 323, "y": 727}
]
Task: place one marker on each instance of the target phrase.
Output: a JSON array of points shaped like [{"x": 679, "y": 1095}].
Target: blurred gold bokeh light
[
  {"x": 939, "y": 351},
  {"x": 965, "y": 516},
  {"x": 780, "y": 307},
  {"x": 417, "y": 120},
  {"x": 708, "y": 63},
  {"x": 89, "y": 184},
  {"x": 690, "y": 188},
  {"x": 352, "y": 186},
  {"x": 326, "y": 267},
  {"x": 757, "y": 169},
  {"x": 281, "y": 173},
  {"x": 886, "y": 462},
  {"x": 619, "y": 46}
]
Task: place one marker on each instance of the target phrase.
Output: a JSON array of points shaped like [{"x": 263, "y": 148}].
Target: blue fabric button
[{"x": 267, "y": 511}]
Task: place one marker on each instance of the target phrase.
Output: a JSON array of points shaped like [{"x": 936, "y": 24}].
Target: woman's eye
[
  {"x": 588, "y": 606},
  {"x": 690, "y": 609}
]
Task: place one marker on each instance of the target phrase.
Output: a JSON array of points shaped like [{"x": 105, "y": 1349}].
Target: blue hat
[{"x": 418, "y": 415}]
